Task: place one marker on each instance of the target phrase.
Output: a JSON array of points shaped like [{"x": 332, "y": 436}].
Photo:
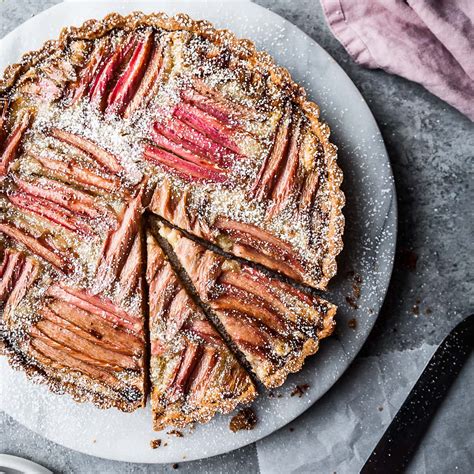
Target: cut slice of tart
[
  {"x": 273, "y": 324},
  {"x": 193, "y": 373}
]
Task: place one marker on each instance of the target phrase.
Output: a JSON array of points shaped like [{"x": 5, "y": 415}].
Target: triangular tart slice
[
  {"x": 193, "y": 373},
  {"x": 273, "y": 324}
]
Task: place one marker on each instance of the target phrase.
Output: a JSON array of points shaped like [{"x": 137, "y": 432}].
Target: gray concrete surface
[{"x": 431, "y": 148}]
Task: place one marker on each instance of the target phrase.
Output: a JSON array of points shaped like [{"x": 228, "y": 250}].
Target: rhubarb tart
[{"x": 150, "y": 114}]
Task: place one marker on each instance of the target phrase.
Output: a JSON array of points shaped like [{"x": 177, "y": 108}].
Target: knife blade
[{"x": 402, "y": 437}]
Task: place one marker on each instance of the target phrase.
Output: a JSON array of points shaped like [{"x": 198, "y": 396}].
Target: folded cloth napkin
[{"x": 427, "y": 41}]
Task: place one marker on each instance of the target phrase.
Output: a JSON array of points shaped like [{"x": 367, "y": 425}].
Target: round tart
[{"x": 131, "y": 117}]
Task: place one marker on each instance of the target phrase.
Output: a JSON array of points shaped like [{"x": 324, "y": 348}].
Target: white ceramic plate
[
  {"x": 369, "y": 245},
  {"x": 14, "y": 464}
]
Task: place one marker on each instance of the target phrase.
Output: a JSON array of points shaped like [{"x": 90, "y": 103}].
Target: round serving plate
[{"x": 369, "y": 240}]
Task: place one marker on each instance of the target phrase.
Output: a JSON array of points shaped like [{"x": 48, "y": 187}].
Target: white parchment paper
[{"x": 340, "y": 431}]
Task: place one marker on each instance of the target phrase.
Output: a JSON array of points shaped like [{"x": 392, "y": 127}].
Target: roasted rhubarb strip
[
  {"x": 5, "y": 256},
  {"x": 193, "y": 374},
  {"x": 103, "y": 157},
  {"x": 192, "y": 139},
  {"x": 309, "y": 190},
  {"x": 35, "y": 245},
  {"x": 99, "y": 306},
  {"x": 100, "y": 329},
  {"x": 190, "y": 357},
  {"x": 274, "y": 325},
  {"x": 131, "y": 274},
  {"x": 66, "y": 357},
  {"x": 66, "y": 196},
  {"x": 29, "y": 273},
  {"x": 250, "y": 285},
  {"x": 173, "y": 206},
  {"x": 162, "y": 292},
  {"x": 148, "y": 83},
  {"x": 51, "y": 211},
  {"x": 206, "y": 104},
  {"x": 208, "y": 125},
  {"x": 202, "y": 328},
  {"x": 107, "y": 73},
  {"x": 14, "y": 262},
  {"x": 181, "y": 150},
  {"x": 183, "y": 168},
  {"x": 286, "y": 184},
  {"x": 80, "y": 88},
  {"x": 52, "y": 335},
  {"x": 65, "y": 334},
  {"x": 125, "y": 87},
  {"x": 118, "y": 244},
  {"x": 273, "y": 163},
  {"x": 215, "y": 103},
  {"x": 243, "y": 303},
  {"x": 261, "y": 246},
  {"x": 71, "y": 172},
  {"x": 13, "y": 142}
]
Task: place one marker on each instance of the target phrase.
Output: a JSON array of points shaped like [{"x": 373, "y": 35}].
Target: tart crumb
[
  {"x": 351, "y": 302},
  {"x": 300, "y": 390},
  {"x": 178, "y": 434},
  {"x": 155, "y": 443},
  {"x": 416, "y": 308},
  {"x": 356, "y": 285},
  {"x": 245, "y": 419},
  {"x": 352, "y": 323}
]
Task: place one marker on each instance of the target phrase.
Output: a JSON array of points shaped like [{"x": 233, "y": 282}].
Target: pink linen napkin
[{"x": 427, "y": 41}]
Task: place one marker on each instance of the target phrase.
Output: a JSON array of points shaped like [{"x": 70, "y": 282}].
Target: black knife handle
[{"x": 401, "y": 439}]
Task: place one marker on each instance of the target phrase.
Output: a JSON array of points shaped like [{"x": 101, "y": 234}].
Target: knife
[{"x": 401, "y": 439}]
